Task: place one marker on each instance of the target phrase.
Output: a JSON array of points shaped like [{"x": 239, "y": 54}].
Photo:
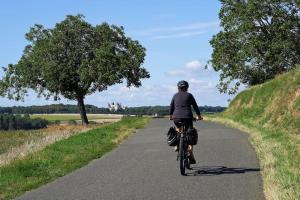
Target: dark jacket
[{"x": 181, "y": 103}]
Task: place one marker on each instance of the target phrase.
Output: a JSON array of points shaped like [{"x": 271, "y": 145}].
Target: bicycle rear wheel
[{"x": 181, "y": 157}]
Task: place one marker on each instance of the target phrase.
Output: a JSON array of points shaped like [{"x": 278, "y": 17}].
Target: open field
[
  {"x": 66, "y": 117},
  {"x": 18, "y": 143},
  {"x": 64, "y": 156}
]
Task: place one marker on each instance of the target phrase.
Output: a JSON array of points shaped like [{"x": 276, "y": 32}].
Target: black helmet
[{"x": 183, "y": 84}]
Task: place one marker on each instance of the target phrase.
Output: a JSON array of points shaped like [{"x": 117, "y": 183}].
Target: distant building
[{"x": 114, "y": 107}]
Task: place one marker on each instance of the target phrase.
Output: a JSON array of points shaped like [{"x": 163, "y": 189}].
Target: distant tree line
[
  {"x": 61, "y": 108},
  {"x": 48, "y": 109},
  {"x": 16, "y": 122},
  {"x": 164, "y": 110}
]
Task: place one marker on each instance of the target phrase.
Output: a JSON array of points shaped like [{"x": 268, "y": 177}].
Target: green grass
[
  {"x": 271, "y": 113},
  {"x": 62, "y": 157},
  {"x": 275, "y": 104},
  {"x": 67, "y": 117}
]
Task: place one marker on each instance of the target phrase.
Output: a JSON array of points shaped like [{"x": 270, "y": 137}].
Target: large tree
[
  {"x": 259, "y": 39},
  {"x": 74, "y": 59}
]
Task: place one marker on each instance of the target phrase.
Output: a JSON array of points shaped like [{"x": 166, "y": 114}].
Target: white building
[{"x": 113, "y": 107}]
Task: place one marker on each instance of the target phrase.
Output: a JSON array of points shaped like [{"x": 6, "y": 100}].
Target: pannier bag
[
  {"x": 192, "y": 136},
  {"x": 172, "y": 138}
]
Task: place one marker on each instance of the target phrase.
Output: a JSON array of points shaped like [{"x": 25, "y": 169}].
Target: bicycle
[{"x": 183, "y": 154}]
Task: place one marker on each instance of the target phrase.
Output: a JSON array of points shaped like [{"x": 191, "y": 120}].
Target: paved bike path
[{"x": 144, "y": 167}]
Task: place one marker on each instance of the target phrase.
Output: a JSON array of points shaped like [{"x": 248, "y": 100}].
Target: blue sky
[{"x": 175, "y": 33}]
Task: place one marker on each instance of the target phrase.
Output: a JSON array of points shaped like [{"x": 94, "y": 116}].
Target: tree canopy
[
  {"x": 259, "y": 39},
  {"x": 74, "y": 59}
]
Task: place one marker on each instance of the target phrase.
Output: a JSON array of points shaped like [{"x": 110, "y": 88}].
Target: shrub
[{"x": 15, "y": 122}]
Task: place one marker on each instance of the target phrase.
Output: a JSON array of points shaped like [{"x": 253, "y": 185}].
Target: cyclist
[{"x": 181, "y": 111}]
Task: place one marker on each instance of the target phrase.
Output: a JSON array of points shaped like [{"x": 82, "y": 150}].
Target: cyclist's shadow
[{"x": 218, "y": 170}]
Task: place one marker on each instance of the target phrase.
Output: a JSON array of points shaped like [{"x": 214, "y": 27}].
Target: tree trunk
[{"x": 82, "y": 111}]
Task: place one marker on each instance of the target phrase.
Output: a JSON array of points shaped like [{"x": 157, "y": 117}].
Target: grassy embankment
[
  {"x": 270, "y": 112},
  {"x": 63, "y": 156}
]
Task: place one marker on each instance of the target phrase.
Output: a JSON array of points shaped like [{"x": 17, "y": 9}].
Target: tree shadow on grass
[{"x": 218, "y": 170}]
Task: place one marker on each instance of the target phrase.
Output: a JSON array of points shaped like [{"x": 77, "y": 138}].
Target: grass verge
[
  {"x": 279, "y": 155},
  {"x": 64, "y": 156}
]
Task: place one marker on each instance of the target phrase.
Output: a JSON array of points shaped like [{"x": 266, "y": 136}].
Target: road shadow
[{"x": 218, "y": 170}]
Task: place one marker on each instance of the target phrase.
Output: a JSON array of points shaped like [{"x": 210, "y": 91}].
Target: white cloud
[
  {"x": 191, "y": 68},
  {"x": 202, "y": 81},
  {"x": 176, "y": 72},
  {"x": 188, "y": 27},
  {"x": 181, "y": 31},
  {"x": 196, "y": 81},
  {"x": 201, "y": 85},
  {"x": 193, "y": 65},
  {"x": 178, "y": 35}
]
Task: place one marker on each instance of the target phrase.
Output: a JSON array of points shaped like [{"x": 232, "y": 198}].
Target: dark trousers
[{"x": 186, "y": 121}]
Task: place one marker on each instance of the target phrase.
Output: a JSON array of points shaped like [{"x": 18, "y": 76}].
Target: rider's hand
[{"x": 199, "y": 117}]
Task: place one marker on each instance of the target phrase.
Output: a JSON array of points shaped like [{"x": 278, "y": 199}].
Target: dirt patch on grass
[
  {"x": 235, "y": 105},
  {"x": 292, "y": 104}
]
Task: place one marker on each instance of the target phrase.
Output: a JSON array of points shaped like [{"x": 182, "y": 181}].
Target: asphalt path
[{"x": 144, "y": 167}]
